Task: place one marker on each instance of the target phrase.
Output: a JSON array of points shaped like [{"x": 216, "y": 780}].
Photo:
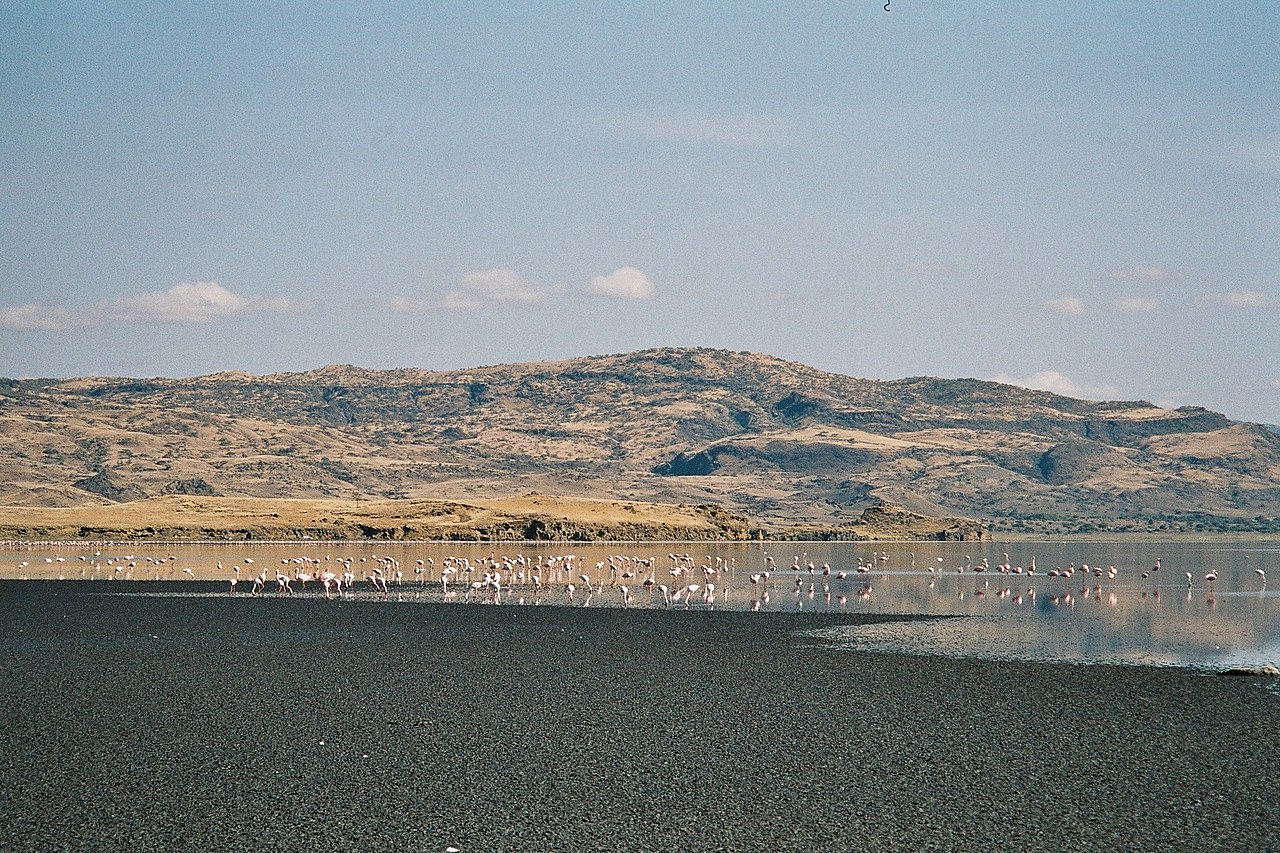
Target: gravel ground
[{"x": 176, "y": 723}]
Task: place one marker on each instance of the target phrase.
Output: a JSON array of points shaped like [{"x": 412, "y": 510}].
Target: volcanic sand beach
[{"x": 179, "y": 722}]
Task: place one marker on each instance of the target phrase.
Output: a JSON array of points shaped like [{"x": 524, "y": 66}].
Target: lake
[{"x": 1061, "y": 612}]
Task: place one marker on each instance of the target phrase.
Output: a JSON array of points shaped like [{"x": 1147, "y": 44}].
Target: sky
[{"x": 1079, "y": 197}]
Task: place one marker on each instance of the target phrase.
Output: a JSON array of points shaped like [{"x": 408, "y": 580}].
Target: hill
[{"x": 779, "y": 442}]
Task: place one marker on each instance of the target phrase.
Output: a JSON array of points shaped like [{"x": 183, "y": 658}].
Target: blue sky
[{"x": 1080, "y": 197}]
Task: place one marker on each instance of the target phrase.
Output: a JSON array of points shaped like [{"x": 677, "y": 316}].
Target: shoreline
[
  {"x": 176, "y": 722},
  {"x": 19, "y": 543},
  {"x": 820, "y": 634}
]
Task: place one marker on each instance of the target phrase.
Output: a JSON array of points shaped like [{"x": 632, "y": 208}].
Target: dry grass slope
[{"x": 527, "y": 517}]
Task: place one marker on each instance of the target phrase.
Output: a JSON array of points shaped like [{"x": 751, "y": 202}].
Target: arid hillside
[{"x": 778, "y": 442}]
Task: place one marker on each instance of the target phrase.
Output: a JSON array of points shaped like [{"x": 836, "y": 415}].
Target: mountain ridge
[{"x": 778, "y": 441}]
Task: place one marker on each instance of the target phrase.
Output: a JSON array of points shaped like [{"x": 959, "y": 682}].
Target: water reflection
[{"x": 1183, "y": 603}]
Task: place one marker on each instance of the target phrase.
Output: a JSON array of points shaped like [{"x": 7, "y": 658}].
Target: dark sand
[{"x": 181, "y": 723}]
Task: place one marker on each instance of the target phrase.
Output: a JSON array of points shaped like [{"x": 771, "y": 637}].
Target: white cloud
[
  {"x": 458, "y": 301},
  {"x": 1069, "y": 305},
  {"x": 623, "y": 283},
  {"x": 1242, "y": 299},
  {"x": 411, "y": 305},
  {"x": 502, "y": 286},
  {"x": 478, "y": 289},
  {"x": 201, "y": 302},
  {"x": 39, "y": 318},
  {"x": 1141, "y": 273},
  {"x": 1057, "y": 383},
  {"x": 1136, "y": 304}
]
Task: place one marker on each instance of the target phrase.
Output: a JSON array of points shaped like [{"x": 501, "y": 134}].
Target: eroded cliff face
[{"x": 779, "y": 443}]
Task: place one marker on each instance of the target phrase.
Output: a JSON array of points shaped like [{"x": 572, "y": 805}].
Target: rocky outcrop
[
  {"x": 103, "y": 485},
  {"x": 194, "y": 486}
]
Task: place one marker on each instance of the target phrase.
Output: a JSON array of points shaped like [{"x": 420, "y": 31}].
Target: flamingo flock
[{"x": 680, "y": 581}]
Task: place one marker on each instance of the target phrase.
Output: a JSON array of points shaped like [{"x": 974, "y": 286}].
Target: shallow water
[{"x": 1163, "y": 618}]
